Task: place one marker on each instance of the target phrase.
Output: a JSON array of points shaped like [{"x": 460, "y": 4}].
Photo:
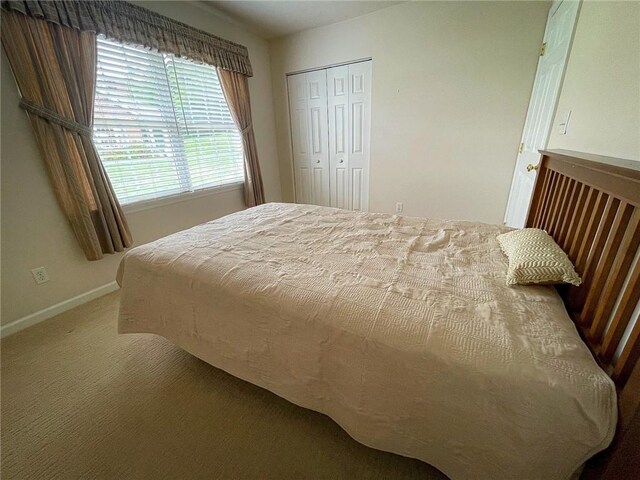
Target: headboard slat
[
  {"x": 555, "y": 201},
  {"x": 606, "y": 297},
  {"x": 622, "y": 316},
  {"x": 586, "y": 209},
  {"x": 558, "y": 214},
  {"x": 590, "y": 248},
  {"x": 545, "y": 178},
  {"x": 551, "y": 177},
  {"x": 600, "y": 271},
  {"x": 584, "y": 243},
  {"x": 569, "y": 217},
  {"x": 591, "y": 207},
  {"x": 629, "y": 357},
  {"x": 595, "y": 251}
]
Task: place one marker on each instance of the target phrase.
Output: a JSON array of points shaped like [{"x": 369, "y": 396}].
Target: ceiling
[{"x": 271, "y": 19}]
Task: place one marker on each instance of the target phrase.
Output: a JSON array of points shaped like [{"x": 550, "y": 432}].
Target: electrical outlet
[
  {"x": 40, "y": 275},
  {"x": 399, "y": 207}
]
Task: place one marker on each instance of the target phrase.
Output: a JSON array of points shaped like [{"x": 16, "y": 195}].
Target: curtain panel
[
  {"x": 51, "y": 46},
  {"x": 128, "y": 23},
  {"x": 236, "y": 91},
  {"x": 55, "y": 69}
]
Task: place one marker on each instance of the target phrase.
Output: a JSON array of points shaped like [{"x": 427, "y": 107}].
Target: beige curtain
[
  {"x": 236, "y": 91},
  {"x": 55, "y": 69}
]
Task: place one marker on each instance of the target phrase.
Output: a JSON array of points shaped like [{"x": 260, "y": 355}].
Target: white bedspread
[{"x": 401, "y": 329}]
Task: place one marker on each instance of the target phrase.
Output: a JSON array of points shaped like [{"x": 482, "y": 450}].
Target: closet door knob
[
  {"x": 317, "y": 161},
  {"x": 342, "y": 160}
]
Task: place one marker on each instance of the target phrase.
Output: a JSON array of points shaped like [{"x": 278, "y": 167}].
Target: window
[{"x": 161, "y": 124}]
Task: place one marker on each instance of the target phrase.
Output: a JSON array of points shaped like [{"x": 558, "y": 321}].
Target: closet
[{"x": 330, "y": 118}]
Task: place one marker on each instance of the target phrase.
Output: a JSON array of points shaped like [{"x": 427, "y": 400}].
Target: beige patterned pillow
[{"x": 534, "y": 257}]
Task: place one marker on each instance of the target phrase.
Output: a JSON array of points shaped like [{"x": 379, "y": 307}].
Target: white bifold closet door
[
  {"x": 308, "y": 111},
  {"x": 330, "y": 113}
]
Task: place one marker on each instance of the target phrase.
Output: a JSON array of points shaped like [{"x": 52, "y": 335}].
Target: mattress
[{"x": 400, "y": 329}]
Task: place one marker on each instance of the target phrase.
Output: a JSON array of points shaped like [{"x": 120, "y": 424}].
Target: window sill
[{"x": 181, "y": 197}]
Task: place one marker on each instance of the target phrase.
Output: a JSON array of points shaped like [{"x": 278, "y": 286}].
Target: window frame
[
  {"x": 178, "y": 197},
  {"x": 152, "y": 203}
]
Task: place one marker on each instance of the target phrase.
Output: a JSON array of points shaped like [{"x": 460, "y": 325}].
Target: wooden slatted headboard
[
  {"x": 590, "y": 205},
  {"x": 591, "y": 208}
]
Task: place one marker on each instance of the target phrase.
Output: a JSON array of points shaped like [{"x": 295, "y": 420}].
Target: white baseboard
[{"x": 56, "y": 309}]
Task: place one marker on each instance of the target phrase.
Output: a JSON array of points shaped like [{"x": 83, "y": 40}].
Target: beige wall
[
  {"x": 602, "y": 82},
  {"x": 34, "y": 231},
  {"x": 451, "y": 84}
]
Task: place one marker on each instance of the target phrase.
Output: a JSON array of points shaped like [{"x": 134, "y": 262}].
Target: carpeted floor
[{"x": 81, "y": 401}]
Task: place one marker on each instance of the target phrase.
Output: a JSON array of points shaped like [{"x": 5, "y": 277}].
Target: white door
[
  {"x": 319, "y": 137},
  {"x": 338, "y": 93},
  {"x": 330, "y": 114},
  {"x": 349, "y": 93},
  {"x": 359, "y": 133},
  {"x": 309, "y": 136},
  {"x": 542, "y": 105},
  {"x": 298, "y": 112}
]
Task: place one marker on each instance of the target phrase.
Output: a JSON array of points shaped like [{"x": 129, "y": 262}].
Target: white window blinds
[{"x": 161, "y": 124}]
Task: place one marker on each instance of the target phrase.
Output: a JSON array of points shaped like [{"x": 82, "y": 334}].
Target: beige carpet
[{"x": 81, "y": 401}]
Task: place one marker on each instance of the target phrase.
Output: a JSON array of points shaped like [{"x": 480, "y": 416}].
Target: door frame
[
  {"x": 555, "y": 5},
  {"x": 339, "y": 64}
]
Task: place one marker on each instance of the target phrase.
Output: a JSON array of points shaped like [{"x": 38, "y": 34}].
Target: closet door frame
[{"x": 333, "y": 162}]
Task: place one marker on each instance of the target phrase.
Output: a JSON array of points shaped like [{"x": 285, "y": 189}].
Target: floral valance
[{"x": 125, "y": 22}]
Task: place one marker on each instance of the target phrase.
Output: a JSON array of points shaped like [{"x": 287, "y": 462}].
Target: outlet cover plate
[{"x": 40, "y": 275}]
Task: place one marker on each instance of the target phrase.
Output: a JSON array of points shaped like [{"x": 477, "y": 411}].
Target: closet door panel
[
  {"x": 300, "y": 135},
  {"x": 341, "y": 188},
  {"x": 300, "y": 144},
  {"x": 359, "y": 134},
  {"x": 303, "y": 185},
  {"x": 338, "y": 100},
  {"x": 319, "y": 136},
  {"x": 356, "y": 189}
]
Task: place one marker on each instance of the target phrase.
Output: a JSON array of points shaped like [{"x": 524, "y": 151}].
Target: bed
[{"x": 400, "y": 329}]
